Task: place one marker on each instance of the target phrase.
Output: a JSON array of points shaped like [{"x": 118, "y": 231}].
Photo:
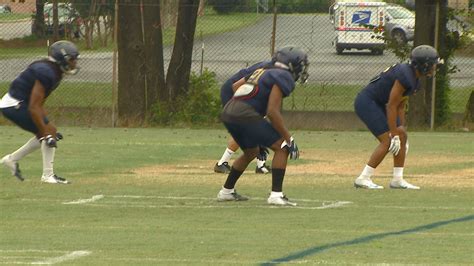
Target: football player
[
  {"x": 23, "y": 105},
  {"x": 258, "y": 96},
  {"x": 222, "y": 166},
  {"x": 381, "y": 106}
]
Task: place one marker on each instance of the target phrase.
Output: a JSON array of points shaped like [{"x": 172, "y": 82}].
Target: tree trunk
[
  {"x": 38, "y": 24},
  {"x": 419, "y": 110},
  {"x": 155, "y": 75},
  {"x": 131, "y": 66},
  {"x": 56, "y": 21},
  {"x": 177, "y": 78}
]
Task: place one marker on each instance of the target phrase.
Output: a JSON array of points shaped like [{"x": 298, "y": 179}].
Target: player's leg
[
  {"x": 240, "y": 133},
  {"x": 279, "y": 162},
  {"x": 222, "y": 166},
  {"x": 373, "y": 116},
  {"x": 398, "y": 164},
  {"x": 21, "y": 117},
  {"x": 269, "y": 137}
]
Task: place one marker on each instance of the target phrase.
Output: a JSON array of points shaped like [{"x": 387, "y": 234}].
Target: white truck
[{"x": 354, "y": 23}]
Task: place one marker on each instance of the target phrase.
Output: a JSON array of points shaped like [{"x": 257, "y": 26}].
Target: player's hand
[
  {"x": 50, "y": 129},
  {"x": 263, "y": 153},
  {"x": 394, "y": 145},
  {"x": 292, "y": 148}
]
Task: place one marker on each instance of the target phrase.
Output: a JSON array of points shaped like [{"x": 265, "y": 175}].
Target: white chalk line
[
  {"x": 82, "y": 201},
  {"x": 12, "y": 259},
  {"x": 325, "y": 204},
  {"x": 70, "y": 256}
]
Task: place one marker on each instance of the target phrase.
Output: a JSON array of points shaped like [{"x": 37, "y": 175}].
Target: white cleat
[
  {"x": 54, "y": 179},
  {"x": 281, "y": 201},
  {"x": 12, "y": 166},
  {"x": 233, "y": 196},
  {"x": 366, "y": 183},
  {"x": 402, "y": 184}
]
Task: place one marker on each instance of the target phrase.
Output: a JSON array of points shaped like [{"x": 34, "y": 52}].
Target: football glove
[
  {"x": 50, "y": 141},
  {"x": 263, "y": 153},
  {"x": 292, "y": 149},
  {"x": 394, "y": 145}
]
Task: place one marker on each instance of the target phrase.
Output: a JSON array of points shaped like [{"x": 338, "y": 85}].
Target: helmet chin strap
[
  {"x": 281, "y": 65},
  {"x": 70, "y": 71}
]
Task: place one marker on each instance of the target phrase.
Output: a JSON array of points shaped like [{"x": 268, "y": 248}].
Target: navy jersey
[
  {"x": 46, "y": 72},
  {"x": 250, "y": 101},
  {"x": 380, "y": 86},
  {"x": 226, "y": 89}
]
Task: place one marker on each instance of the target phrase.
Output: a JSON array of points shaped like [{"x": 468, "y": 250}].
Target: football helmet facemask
[
  {"x": 62, "y": 52},
  {"x": 423, "y": 58},
  {"x": 295, "y": 60}
]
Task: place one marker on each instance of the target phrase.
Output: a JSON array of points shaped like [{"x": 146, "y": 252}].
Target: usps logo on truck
[{"x": 361, "y": 17}]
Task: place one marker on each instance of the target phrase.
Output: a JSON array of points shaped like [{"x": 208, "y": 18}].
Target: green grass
[
  {"x": 8, "y": 17},
  {"x": 305, "y": 98},
  {"x": 159, "y": 208}
]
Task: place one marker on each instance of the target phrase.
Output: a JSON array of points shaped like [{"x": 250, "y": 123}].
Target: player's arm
[
  {"x": 237, "y": 84},
  {"x": 274, "y": 114},
  {"x": 393, "y": 106},
  {"x": 37, "y": 111},
  {"x": 402, "y": 111}
]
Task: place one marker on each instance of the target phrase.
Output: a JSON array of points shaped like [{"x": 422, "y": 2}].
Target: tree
[
  {"x": 134, "y": 62},
  {"x": 419, "y": 113},
  {"x": 38, "y": 23},
  {"x": 177, "y": 78},
  {"x": 141, "y": 68}
]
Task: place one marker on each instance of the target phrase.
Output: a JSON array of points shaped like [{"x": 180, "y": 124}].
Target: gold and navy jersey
[
  {"x": 46, "y": 72},
  {"x": 380, "y": 86},
  {"x": 226, "y": 89},
  {"x": 254, "y": 94}
]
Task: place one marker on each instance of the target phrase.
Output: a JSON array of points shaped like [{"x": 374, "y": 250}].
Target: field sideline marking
[
  {"x": 82, "y": 201},
  {"x": 70, "y": 256}
]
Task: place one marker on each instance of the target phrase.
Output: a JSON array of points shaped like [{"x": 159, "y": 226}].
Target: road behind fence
[{"x": 324, "y": 102}]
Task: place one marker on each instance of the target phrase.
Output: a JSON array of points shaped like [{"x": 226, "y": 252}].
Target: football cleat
[
  {"x": 263, "y": 170},
  {"x": 224, "y": 168},
  {"x": 366, "y": 183},
  {"x": 54, "y": 179},
  {"x": 233, "y": 196},
  {"x": 281, "y": 201},
  {"x": 13, "y": 166},
  {"x": 402, "y": 184}
]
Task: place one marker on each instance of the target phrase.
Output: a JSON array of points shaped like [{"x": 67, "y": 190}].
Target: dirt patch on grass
[{"x": 327, "y": 169}]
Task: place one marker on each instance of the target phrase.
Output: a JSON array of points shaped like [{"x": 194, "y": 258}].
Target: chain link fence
[{"x": 224, "y": 44}]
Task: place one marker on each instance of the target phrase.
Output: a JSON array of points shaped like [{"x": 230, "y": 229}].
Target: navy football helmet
[
  {"x": 295, "y": 59},
  {"x": 424, "y": 57},
  {"x": 61, "y": 52}
]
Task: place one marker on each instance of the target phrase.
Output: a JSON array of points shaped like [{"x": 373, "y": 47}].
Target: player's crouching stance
[
  {"x": 381, "y": 106},
  {"x": 257, "y": 96},
  {"x": 23, "y": 105}
]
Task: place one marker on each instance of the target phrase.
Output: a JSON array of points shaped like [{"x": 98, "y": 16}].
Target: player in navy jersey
[
  {"x": 23, "y": 105},
  {"x": 381, "y": 106},
  {"x": 256, "y": 96},
  {"x": 222, "y": 166}
]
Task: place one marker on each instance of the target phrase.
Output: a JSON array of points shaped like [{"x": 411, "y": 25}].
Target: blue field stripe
[{"x": 319, "y": 249}]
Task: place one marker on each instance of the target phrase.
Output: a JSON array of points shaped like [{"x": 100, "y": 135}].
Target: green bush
[{"x": 199, "y": 106}]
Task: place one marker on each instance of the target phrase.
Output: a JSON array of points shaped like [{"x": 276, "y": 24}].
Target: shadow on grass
[{"x": 318, "y": 249}]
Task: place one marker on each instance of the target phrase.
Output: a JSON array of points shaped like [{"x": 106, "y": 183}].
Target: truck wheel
[
  {"x": 399, "y": 37},
  {"x": 339, "y": 50}
]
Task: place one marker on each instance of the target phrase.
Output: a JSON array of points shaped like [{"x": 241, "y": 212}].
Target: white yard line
[
  {"x": 70, "y": 256},
  {"x": 82, "y": 201}
]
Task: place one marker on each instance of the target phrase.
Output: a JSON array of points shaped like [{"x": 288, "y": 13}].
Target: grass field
[
  {"x": 147, "y": 197},
  {"x": 305, "y": 98}
]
